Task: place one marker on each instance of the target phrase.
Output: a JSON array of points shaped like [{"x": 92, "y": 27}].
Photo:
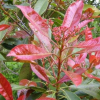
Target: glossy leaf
[
  {"x": 70, "y": 95},
  {"x": 41, "y": 6},
  {"x": 28, "y": 52},
  {"x": 38, "y": 25},
  {"x": 40, "y": 72},
  {"x": 3, "y": 27},
  {"x": 5, "y": 88},
  {"x": 75, "y": 78},
  {"x": 73, "y": 15},
  {"x": 45, "y": 98}
]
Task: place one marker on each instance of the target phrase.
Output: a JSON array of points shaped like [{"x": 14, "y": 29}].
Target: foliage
[{"x": 58, "y": 63}]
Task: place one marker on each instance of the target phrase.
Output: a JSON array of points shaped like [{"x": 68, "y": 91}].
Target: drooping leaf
[
  {"x": 45, "y": 98},
  {"x": 28, "y": 52},
  {"x": 75, "y": 78},
  {"x": 40, "y": 72},
  {"x": 73, "y": 15},
  {"x": 41, "y": 6},
  {"x": 5, "y": 88},
  {"x": 3, "y": 27},
  {"x": 70, "y": 95},
  {"x": 38, "y": 25}
]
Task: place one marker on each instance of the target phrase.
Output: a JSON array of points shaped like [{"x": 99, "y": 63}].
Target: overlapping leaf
[
  {"x": 46, "y": 98},
  {"x": 39, "y": 25},
  {"x": 76, "y": 78},
  {"x": 73, "y": 15},
  {"x": 40, "y": 72},
  {"x": 28, "y": 52},
  {"x": 3, "y": 27},
  {"x": 5, "y": 88},
  {"x": 90, "y": 45}
]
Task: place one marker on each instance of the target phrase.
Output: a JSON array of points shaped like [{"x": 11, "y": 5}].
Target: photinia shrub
[{"x": 58, "y": 61}]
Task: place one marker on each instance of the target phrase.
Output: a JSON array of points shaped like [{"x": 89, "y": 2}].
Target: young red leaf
[
  {"x": 91, "y": 76},
  {"x": 40, "y": 72},
  {"x": 39, "y": 25},
  {"x": 5, "y": 88},
  {"x": 73, "y": 15},
  {"x": 76, "y": 78},
  {"x": 84, "y": 23},
  {"x": 90, "y": 45},
  {"x": 3, "y": 27},
  {"x": 22, "y": 97},
  {"x": 26, "y": 82},
  {"x": 46, "y": 98},
  {"x": 28, "y": 52},
  {"x": 20, "y": 34}
]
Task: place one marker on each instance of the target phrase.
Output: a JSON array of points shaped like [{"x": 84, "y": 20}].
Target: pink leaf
[
  {"x": 45, "y": 98},
  {"x": 20, "y": 34},
  {"x": 90, "y": 45},
  {"x": 5, "y": 88},
  {"x": 91, "y": 76},
  {"x": 88, "y": 34},
  {"x": 76, "y": 78},
  {"x": 38, "y": 25},
  {"x": 73, "y": 15},
  {"x": 65, "y": 78},
  {"x": 3, "y": 27},
  {"x": 84, "y": 23},
  {"x": 28, "y": 52},
  {"x": 40, "y": 72}
]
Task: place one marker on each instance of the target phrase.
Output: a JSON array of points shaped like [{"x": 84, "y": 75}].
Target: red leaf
[
  {"x": 65, "y": 78},
  {"x": 22, "y": 97},
  {"x": 90, "y": 45},
  {"x": 91, "y": 76},
  {"x": 76, "y": 78},
  {"x": 26, "y": 82},
  {"x": 20, "y": 34},
  {"x": 46, "y": 98},
  {"x": 38, "y": 25},
  {"x": 84, "y": 23},
  {"x": 40, "y": 72},
  {"x": 5, "y": 88},
  {"x": 88, "y": 34},
  {"x": 73, "y": 15},
  {"x": 3, "y": 27},
  {"x": 28, "y": 52}
]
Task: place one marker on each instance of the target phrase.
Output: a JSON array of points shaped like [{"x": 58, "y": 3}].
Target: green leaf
[
  {"x": 96, "y": 10},
  {"x": 90, "y": 89},
  {"x": 41, "y": 6},
  {"x": 38, "y": 89},
  {"x": 9, "y": 6},
  {"x": 1, "y": 57},
  {"x": 17, "y": 87},
  {"x": 72, "y": 39},
  {"x": 2, "y": 98},
  {"x": 25, "y": 72},
  {"x": 70, "y": 95},
  {"x": 2, "y": 34}
]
